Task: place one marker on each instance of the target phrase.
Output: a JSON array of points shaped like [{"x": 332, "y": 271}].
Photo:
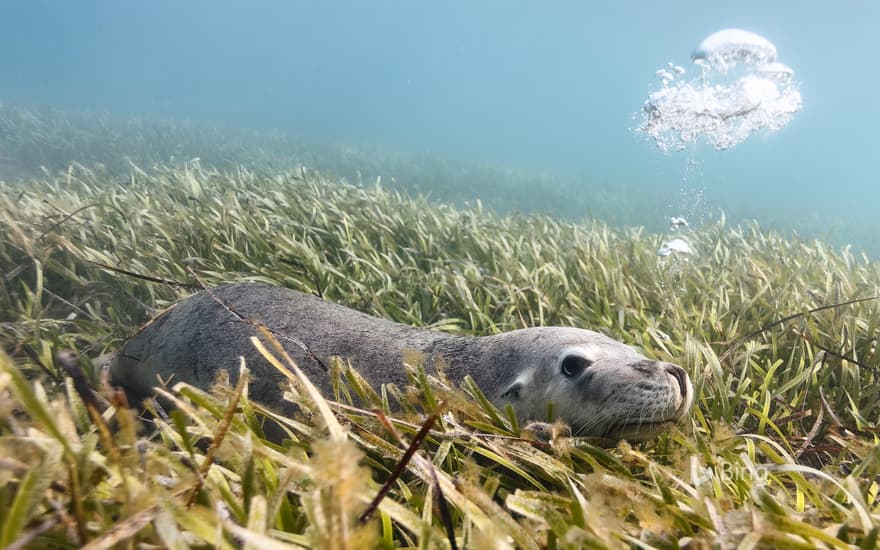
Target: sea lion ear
[{"x": 512, "y": 391}]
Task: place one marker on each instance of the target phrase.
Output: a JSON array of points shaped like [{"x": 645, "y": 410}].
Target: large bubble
[{"x": 740, "y": 89}]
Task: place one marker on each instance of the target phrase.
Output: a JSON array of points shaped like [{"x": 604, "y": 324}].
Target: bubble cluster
[
  {"x": 741, "y": 89},
  {"x": 675, "y": 246}
]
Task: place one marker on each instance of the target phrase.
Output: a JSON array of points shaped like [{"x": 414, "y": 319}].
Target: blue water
[{"x": 551, "y": 85}]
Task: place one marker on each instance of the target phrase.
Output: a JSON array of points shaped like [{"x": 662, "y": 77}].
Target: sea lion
[{"x": 597, "y": 385}]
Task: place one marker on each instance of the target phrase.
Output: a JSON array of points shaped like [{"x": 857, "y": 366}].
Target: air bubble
[{"x": 740, "y": 90}]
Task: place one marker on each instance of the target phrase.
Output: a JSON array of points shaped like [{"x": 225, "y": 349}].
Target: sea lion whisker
[{"x": 590, "y": 424}]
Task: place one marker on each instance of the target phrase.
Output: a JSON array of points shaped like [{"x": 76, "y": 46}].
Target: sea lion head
[{"x": 600, "y": 387}]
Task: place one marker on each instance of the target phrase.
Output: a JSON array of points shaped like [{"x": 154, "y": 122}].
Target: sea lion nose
[{"x": 680, "y": 376}]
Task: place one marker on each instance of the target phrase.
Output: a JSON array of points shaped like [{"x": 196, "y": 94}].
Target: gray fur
[{"x": 620, "y": 394}]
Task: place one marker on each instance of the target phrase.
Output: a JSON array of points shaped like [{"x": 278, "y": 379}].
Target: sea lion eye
[{"x": 573, "y": 365}]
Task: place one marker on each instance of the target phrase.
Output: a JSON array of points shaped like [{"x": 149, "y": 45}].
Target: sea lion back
[{"x": 209, "y": 331}]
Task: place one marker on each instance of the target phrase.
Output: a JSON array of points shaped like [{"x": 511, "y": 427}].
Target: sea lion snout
[
  {"x": 681, "y": 377},
  {"x": 678, "y": 374}
]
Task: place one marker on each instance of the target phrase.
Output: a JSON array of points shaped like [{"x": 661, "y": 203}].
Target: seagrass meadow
[
  {"x": 778, "y": 334},
  {"x": 38, "y": 141}
]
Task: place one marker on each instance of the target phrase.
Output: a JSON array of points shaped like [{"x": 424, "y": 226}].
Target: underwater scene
[{"x": 291, "y": 274}]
